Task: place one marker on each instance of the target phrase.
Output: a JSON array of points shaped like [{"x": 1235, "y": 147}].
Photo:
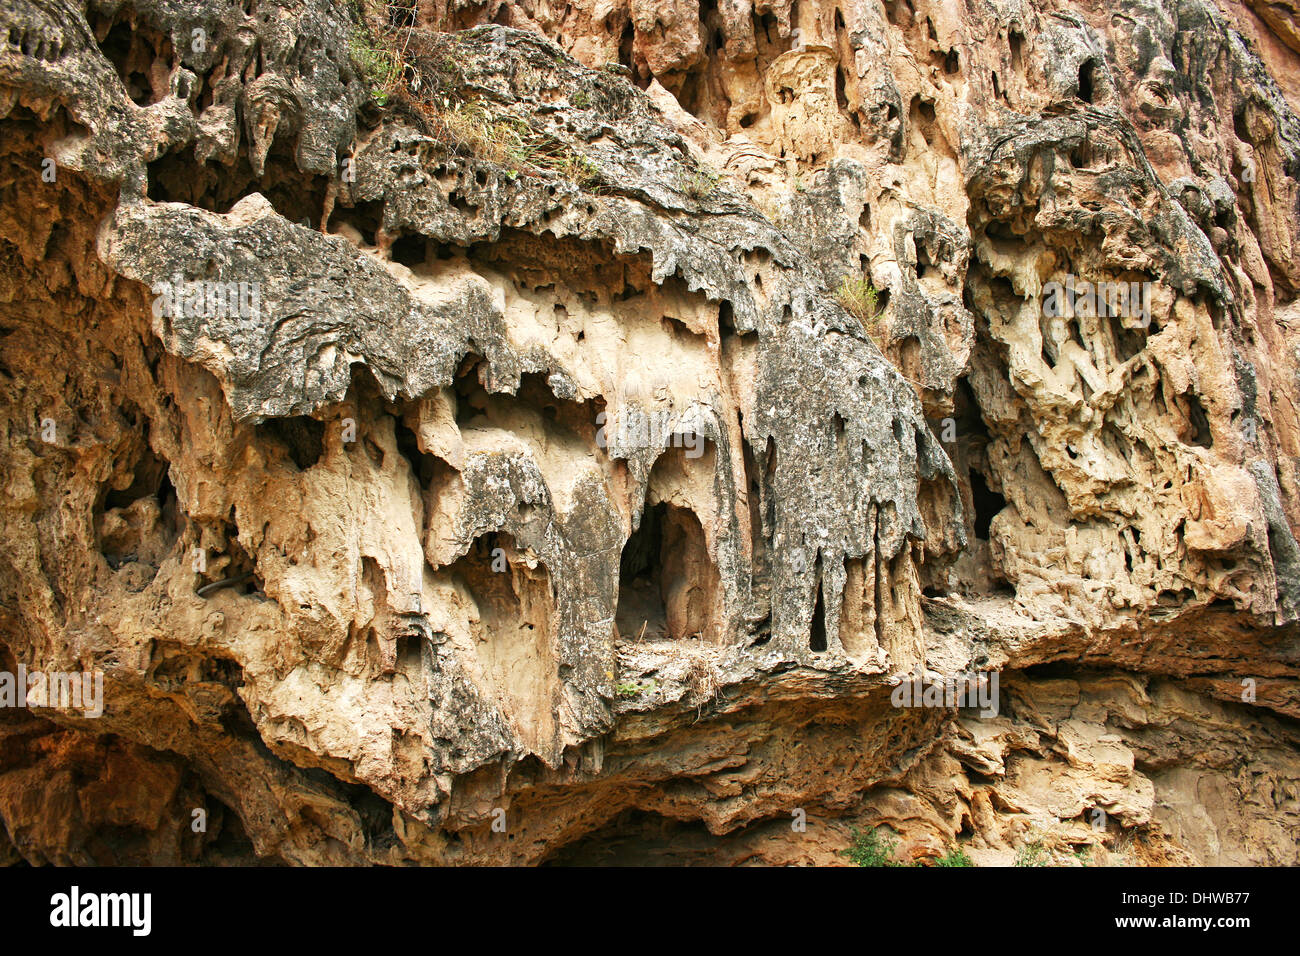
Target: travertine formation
[{"x": 454, "y": 430}]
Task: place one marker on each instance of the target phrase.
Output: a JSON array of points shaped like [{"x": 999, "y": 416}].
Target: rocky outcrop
[{"x": 492, "y": 433}]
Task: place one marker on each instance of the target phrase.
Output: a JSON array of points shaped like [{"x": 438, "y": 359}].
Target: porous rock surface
[{"x": 466, "y": 615}]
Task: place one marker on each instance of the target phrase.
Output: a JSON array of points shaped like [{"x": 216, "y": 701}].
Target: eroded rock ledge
[{"x": 549, "y": 500}]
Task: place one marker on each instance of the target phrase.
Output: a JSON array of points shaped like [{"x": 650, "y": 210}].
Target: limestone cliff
[{"x": 540, "y": 432}]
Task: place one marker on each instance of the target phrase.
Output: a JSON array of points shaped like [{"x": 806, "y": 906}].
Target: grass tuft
[
  {"x": 955, "y": 856},
  {"x": 861, "y": 299},
  {"x": 871, "y": 848},
  {"x": 700, "y": 184},
  {"x": 412, "y": 70},
  {"x": 1033, "y": 854}
]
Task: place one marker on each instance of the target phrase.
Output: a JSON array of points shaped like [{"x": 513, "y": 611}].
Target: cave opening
[
  {"x": 148, "y": 474},
  {"x": 298, "y": 197},
  {"x": 923, "y": 261},
  {"x": 666, "y": 578},
  {"x": 817, "y": 628},
  {"x": 471, "y": 397},
  {"x": 425, "y": 467},
  {"x": 141, "y": 522},
  {"x": 301, "y": 437},
  {"x": 640, "y": 838},
  {"x": 1087, "y": 80},
  {"x": 1200, "y": 423},
  {"x": 409, "y": 250},
  {"x": 703, "y": 93},
  {"x": 365, "y": 217},
  {"x": 133, "y": 48},
  {"x": 513, "y": 602},
  {"x": 987, "y": 504}
]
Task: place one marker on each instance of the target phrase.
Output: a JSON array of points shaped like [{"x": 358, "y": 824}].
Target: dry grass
[
  {"x": 471, "y": 129},
  {"x": 1122, "y": 851},
  {"x": 379, "y": 53},
  {"x": 702, "y": 680},
  {"x": 699, "y": 184},
  {"x": 409, "y": 70},
  {"x": 860, "y": 298}
]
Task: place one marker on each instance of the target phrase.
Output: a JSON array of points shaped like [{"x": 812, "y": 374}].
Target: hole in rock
[
  {"x": 512, "y": 631},
  {"x": 401, "y": 13},
  {"x": 667, "y": 581},
  {"x": 149, "y": 474},
  {"x": 1087, "y": 79},
  {"x": 424, "y": 466},
  {"x": 641, "y": 838},
  {"x": 817, "y": 629},
  {"x": 365, "y": 218},
  {"x": 410, "y": 250},
  {"x": 471, "y": 397},
  {"x": 302, "y": 438},
  {"x": 1199, "y": 421},
  {"x": 1017, "y": 43},
  {"x": 298, "y": 197},
  {"x": 987, "y": 504},
  {"x": 133, "y": 48}
]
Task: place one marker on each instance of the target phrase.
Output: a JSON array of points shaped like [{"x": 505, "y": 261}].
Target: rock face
[{"x": 544, "y": 433}]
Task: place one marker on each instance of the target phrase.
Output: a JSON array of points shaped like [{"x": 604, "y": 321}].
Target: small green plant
[
  {"x": 379, "y": 64},
  {"x": 1032, "y": 854},
  {"x": 581, "y": 99},
  {"x": 634, "y": 688},
  {"x": 578, "y": 168},
  {"x": 1083, "y": 855},
  {"x": 700, "y": 184},
  {"x": 860, "y": 298},
  {"x": 377, "y": 54},
  {"x": 470, "y": 128},
  {"x": 871, "y": 848},
  {"x": 955, "y": 856}
]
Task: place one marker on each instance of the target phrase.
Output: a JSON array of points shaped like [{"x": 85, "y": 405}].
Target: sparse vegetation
[
  {"x": 1033, "y": 854},
  {"x": 635, "y": 688},
  {"x": 380, "y": 63},
  {"x": 578, "y": 168},
  {"x": 1123, "y": 850},
  {"x": 861, "y": 299},
  {"x": 871, "y": 848},
  {"x": 955, "y": 856},
  {"x": 700, "y": 184},
  {"x": 702, "y": 679},
  {"x": 472, "y": 129},
  {"x": 408, "y": 70}
]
